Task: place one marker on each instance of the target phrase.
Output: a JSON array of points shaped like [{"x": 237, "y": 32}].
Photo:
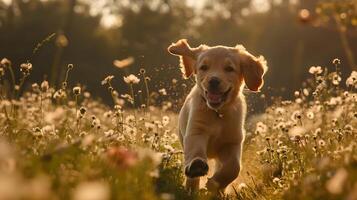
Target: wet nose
[{"x": 214, "y": 83}]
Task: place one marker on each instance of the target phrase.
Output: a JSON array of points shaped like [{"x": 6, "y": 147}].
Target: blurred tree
[
  {"x": 62, "y": 41},
  {"x": 292, "y": 36}
]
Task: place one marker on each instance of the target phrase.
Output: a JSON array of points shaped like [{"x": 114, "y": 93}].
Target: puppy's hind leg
[{"x": 229, "y": 157}]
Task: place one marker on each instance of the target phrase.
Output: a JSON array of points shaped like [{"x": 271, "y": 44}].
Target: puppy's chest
[{"x": 223, "y": 130}]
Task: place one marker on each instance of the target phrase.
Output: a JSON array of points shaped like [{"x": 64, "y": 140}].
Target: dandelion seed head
[
  {"x": 336, "y": 61},
  {"x": 77, "y": 90},
  {"x": 83, "y": 110},
  {"x": 142, "y": 71},
  {"x": 70, "y": 66},
  {"x": 321, "y": 143}
]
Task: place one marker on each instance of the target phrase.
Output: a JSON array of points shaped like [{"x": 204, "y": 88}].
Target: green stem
[
  {"x": 132, "y": 95},
  {"x": 4, "y": 108},
  {"x": 147, "y": 91},
  {"x": 12, "y": 74},
  {"x": 78, "y": 119},
  {"x": 41, "y": 108}
]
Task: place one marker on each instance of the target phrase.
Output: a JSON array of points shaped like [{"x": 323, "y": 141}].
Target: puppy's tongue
[{"x": 214, "y": 98}]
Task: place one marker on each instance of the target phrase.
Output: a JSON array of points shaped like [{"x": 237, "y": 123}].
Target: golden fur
[{"x": 211, "y": 121}]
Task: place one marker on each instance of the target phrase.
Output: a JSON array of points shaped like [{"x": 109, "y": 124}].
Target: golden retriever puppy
[{"x": 211, "y": 121}]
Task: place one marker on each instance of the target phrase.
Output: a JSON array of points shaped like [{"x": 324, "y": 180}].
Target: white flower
[
  {"x": 352, "y": 80},
  {"x": 242, "y": 186},
  {"x": 306, "y": 92},
  {"x": 261, "y": 128},
  {"x": 107, "y": 79},
  {"x": 154, "y": 157},
  {"x": 109, "y": 133},
  {"x": 310, "y": 115},
  {"x": 165, "y": 120},
  {"x": 336, "y": 79},
  {"x": 149, "y": 126},
  {"x": 131, "y": 79},
  {"x": 322, "y": 143},
  {"x": 54, "y": 116},
  {"x": 49, "y": 129},
  {"x": 276, "y": 180},
  {"x": 169, "y": 148},
  {"x": 5, "y": 63},
  {"x": 279, "y": 110},
  {"x": 315, "y": 70},
  {"x": 297, "y": 131},
  {"x": 44, "y": 85},
  {"x": 92, "y": 191},
  {"x": 296, "y": 116},
  {"x": 334, "y": 101},
  {"x": 298, "y": 100},
  {"x": 130, "y": 119},
  {"x": 25, "y": 67},
  {"x": 59, "y": 94},
  {"x": 163, "y": 92},
  {"x": 123, "y": 63}
]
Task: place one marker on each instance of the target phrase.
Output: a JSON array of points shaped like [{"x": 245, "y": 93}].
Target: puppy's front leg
[
  {"x": 195, "y": 151},
  {"x": 229, "y": 159}
]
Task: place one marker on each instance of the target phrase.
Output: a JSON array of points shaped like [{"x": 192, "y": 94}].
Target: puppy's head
[{"x": 220, "y": 71}]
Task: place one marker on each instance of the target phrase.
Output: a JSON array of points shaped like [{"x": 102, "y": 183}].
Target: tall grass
[{"x": 64, "y": 144}]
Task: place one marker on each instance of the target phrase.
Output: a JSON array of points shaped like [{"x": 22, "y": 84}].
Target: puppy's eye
[
  {"x": 229, "y": 69},
  {"x": 204, "y": 67}
]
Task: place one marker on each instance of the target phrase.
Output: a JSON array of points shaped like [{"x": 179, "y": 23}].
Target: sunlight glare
[
  {"x": 260, "y": 6},
  {"x": 110, "y": 21},
  {"x": 7, "y": 2}
]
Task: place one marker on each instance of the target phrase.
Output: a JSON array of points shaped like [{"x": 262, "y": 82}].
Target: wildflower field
[{"x": 61, "y": 143}]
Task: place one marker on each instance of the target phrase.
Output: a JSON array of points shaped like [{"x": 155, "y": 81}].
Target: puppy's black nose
[{"x": 214, "y": 83}]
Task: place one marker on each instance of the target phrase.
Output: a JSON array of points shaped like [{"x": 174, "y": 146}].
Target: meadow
[{"x": 62, "y": 143}]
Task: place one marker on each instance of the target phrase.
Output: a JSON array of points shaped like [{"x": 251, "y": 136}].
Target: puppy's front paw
[{"x": 198, "y": 167}]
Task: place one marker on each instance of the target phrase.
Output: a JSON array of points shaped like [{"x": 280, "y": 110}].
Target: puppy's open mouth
[{"x": 215, "y": 99}]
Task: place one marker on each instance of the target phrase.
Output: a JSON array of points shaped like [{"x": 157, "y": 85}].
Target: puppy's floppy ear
[
  {"x": 188, "y": 56},
  {"x": 253, "y": 69}
]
